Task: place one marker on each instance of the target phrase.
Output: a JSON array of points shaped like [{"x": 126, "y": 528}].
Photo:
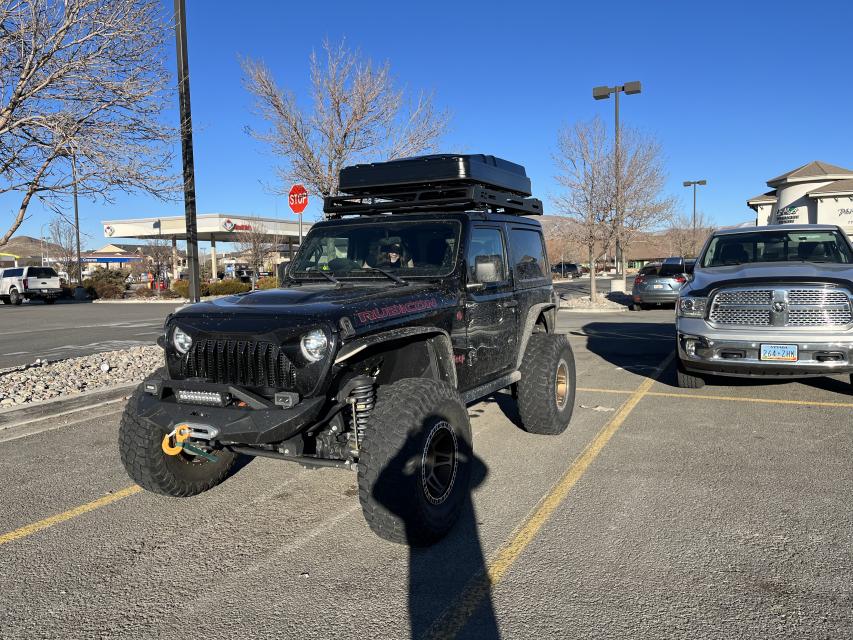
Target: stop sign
[{"x": 297, "y": 198}]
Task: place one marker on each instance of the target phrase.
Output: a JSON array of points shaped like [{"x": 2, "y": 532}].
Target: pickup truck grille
[
  {"x": 240, "y": 362},
  {"x": 782, "y": 307}
]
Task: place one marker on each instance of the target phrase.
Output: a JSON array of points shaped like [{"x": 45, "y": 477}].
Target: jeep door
[{"x": 491, "y": 319}]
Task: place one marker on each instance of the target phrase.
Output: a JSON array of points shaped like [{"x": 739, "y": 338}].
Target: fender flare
[
  {"x": 533, "y": 313},
  {"x": 438, "y": 342}
]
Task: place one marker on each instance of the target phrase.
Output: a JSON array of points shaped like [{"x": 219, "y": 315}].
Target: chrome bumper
[{"x": 702, "y": 348}]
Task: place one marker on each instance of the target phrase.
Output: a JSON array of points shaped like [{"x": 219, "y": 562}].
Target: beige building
[{"x": 816, "y": 193}]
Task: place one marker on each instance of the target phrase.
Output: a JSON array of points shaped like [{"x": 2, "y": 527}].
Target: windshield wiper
[
  {"x": 387, "y": 274},
  {"x": 328, "y": 276}
]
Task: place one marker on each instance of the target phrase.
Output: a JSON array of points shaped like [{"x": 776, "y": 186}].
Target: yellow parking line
[
  {"x": 35, "y": 527},
  {"x": 452, "y": 620},
  {"x": 700, "y": 396}
]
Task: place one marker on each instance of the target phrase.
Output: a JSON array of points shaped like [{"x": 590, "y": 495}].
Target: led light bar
[{"x": 210, "y": 398}]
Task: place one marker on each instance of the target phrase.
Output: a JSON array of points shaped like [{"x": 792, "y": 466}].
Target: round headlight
[
  {"x": 314, "y": 345},
  {"x": 181, "y": 340}
]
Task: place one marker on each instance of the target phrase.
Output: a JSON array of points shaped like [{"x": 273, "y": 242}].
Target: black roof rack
[
  {"x": 447, "y": 199},
  {"x": 447, "y": 182}
]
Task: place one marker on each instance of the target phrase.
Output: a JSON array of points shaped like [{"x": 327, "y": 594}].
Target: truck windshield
[
  {"x": 407, "y": 249},
  {"x": 777, "y": 246}
]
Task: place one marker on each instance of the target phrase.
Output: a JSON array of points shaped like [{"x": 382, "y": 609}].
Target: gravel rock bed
[
  {"x": 43, "y": 380},
  {"x": 613, "y": 301}
]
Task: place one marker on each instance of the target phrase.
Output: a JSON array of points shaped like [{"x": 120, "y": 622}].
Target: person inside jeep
[{"x": 393, "y": 255}]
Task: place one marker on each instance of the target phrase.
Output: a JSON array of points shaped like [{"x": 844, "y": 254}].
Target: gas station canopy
[{"x": 216, "y": 227}]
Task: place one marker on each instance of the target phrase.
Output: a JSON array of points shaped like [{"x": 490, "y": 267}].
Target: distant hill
[{"x": 26, "y": 246}]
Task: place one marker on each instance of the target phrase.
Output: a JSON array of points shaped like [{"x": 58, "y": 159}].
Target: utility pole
[
  {"x": 602, "y": 93},
  {"x": 76, "y": 218},
  {"x": 693, "y": 183},
  {"x": 187, "y": 149}
]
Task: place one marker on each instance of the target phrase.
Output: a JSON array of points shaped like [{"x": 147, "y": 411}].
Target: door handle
[{"x": 509, "y": 304}]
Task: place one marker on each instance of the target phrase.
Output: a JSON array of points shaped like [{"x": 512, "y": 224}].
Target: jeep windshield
[
  {"x": 425, "y": 249},
  {"x": 777, "y": 246}
]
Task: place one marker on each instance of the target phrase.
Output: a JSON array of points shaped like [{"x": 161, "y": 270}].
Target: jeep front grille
[
  {"x": 781, "y": 307},
  {"x": 240, "y": 362}
]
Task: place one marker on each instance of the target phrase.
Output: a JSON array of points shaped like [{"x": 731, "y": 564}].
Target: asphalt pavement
[
  {"x": 660, "y": 513},
  {"x": 66, "y": 330}
]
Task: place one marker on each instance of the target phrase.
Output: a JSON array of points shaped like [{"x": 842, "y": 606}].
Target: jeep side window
[
  {"x": 486, "y": 256},
  {"x": 528, "y": 254}
]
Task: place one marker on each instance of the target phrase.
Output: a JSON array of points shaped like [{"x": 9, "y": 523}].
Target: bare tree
[
  {"x": 584, "y": 171},
  {"x": 687, "y": 240},
  {"x": 643, "y": 178},
  {"x": 82, "y": 79},
  {"x": 159, "y": 253},
  {"x": 357, "y": 115},
  {"x": 256, "y": 245},
  {"x": 63, "y": 237}
]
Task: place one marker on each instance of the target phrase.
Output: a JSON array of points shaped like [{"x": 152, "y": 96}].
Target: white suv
[{"x": 20, "y": 283}]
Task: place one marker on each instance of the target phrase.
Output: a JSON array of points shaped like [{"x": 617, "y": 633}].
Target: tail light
[
  {"x": 26, "y": 283},
  {"x": 639, "y": 280},
  {"x": 680, "y": 279}
]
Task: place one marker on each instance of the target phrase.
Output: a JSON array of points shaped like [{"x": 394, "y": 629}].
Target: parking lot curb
[
  {"x": 19, "y": 416},
  {"x": 143, "y": 301},
  {"x": 564, "y": 307}
]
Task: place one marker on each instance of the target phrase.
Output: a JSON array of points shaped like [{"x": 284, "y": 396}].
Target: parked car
[
  {"x": 368, "y": 360},
  {"x": 566, "y": 270},
  {"x": 658, "y": 283},
  {"x": 768, "y": 302},
  {"x": 29, "y": 283}
]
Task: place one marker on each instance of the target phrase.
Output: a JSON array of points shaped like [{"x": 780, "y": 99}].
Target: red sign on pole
[{"x": 297, "y": 198}]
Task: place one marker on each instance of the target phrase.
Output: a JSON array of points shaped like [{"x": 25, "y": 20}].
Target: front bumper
[
  {"x": 737, "y": 353},
  {"x": 265, "y": 424}
]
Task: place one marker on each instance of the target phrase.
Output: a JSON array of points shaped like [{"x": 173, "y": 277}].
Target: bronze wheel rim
[{"x": 561, "y": 385}]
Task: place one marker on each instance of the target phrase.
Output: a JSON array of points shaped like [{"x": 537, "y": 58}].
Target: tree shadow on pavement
[
  {"x": 637, "y": 347},
  {"x": 448, "y": 588}
]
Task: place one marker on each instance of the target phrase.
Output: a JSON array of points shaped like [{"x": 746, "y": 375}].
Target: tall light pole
[
  {"x": 693, "y": 183},
  {"x": 76, "y": 218},
  {"x": 602, "y": 93},
  {"x": 187, "y": 149}
]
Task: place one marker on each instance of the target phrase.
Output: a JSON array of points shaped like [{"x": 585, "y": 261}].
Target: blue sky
[{"x": 737, "y": 92}]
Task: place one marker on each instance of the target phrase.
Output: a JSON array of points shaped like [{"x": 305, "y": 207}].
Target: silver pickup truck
[{"x": 768, "y": 302}]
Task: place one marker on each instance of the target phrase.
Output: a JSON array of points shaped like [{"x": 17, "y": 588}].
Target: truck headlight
[
  {"x": 314, "y": 345},
  {"x": 691, "y": 307},
  {"x": 181, "y": 340}
]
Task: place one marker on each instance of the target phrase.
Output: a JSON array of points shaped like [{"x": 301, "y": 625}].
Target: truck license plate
[{"x": 779, "y": 352}]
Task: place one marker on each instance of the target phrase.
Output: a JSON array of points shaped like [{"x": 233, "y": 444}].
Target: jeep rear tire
[
  {"x": 178, "y": 476},
  {"x": 546, "y": 391},
  {"x": 15, "y": 298},
  {"x": 414, "y": 464},
  {"x": 688, "y": 380}
]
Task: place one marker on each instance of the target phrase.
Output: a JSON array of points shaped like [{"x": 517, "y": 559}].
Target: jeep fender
[
  {"x": 431, "y": 343},
  {"x": 533, "y": 314}
]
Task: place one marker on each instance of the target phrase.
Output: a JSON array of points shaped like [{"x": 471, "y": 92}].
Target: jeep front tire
[
  {"x": 180, "y": 476},
  {"x": 546, "y": 391},
  {"x": 414, "y": 464}
]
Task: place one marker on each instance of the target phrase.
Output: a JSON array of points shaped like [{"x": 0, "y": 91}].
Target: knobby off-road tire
[
  {"x": 414, "y": 465},
  {"x": 15, "y": 298},
  {"x": 688, "y": 380},
  {"x": 546, "y": 391},
  {"x": 146, "y": 464}
]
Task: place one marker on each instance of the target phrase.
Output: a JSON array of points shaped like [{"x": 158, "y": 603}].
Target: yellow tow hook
[{"x": 181, "y": 434}]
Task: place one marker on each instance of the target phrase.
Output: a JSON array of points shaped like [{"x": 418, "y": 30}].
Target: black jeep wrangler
[{"x": 425, "y": 289}]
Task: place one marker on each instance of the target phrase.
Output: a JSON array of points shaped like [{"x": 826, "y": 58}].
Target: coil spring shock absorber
[{"x": 361, "y": 399}]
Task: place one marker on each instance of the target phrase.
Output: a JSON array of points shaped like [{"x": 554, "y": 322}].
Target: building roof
[
  {"x": 839, "y": 187},
  {"x": 764, "y": 198},
  {"x": 811, "y": 171}
]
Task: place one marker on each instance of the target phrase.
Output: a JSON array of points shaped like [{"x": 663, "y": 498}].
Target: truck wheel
[
  {"x": 179, "y": 476},
  {"x": 15, "y": 298},
  {"x": 688, "y": 380},
  {"x": 414, "y": 464},
  {"x": 546, "y": 391}
]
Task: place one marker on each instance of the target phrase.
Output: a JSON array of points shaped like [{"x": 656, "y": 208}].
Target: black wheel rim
[{"x": 439, "y": 463}]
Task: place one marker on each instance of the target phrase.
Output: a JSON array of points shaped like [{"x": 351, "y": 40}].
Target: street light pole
[
  {"x": 693, "y": 183},
  {"x": 187, "y": 149},
  {"x": 602, "y": 93}
]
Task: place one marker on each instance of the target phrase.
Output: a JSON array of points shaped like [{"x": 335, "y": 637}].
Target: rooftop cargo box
[{"x": 433, "y": 171}]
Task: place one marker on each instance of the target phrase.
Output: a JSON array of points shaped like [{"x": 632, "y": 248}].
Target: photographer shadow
[{"x": 451, "y": 573}]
